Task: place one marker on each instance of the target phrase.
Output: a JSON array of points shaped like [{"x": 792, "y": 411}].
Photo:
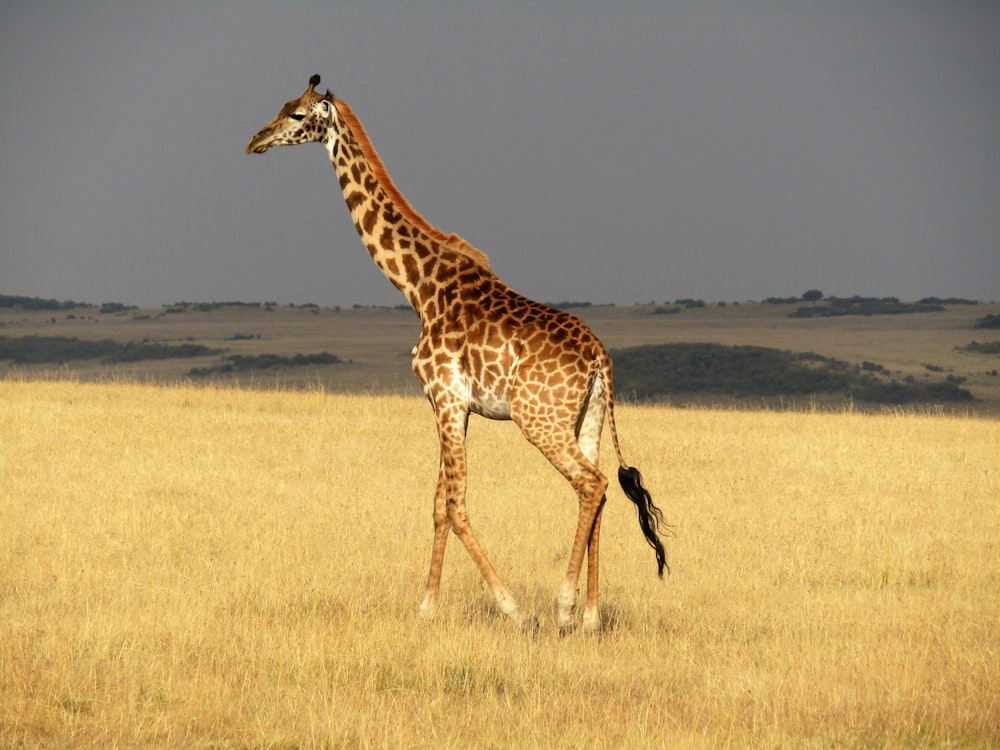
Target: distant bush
[
  {"x": 667, "y": 310},
  {"x": 911, "y": 393},
  {"x": 236, "y": 363},
  {"x": 115, "y": 307},
  {"x": 651, "y": 372},
  {"x": 133, "y": 352},
  {"x": 180, "y": 307},
  {"x": 990, "y": 321},
  {"x": 947, "y": 301},
  {"x": 34, "y": 350},
  {"x": 837, "y": 306},
  {"x": 35, "y": 303},
  {"x": 988, "y": 347},
  {"x": 739, "y": 371},
  {"x": 873, "y": 367}
]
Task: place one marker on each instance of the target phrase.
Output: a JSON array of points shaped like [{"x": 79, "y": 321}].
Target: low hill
[{"x": 680, "y": 371}]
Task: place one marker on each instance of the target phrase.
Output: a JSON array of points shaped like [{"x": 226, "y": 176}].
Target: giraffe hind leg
[
  {"x": 592, "y": 612},
  {"x": 589, "y": 428},
  {"x": 590, "y": 485},
  {"x": 558, "y": 442}
]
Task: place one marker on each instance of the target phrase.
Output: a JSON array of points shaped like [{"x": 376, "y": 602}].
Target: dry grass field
[{"x": 221, "y": 568}]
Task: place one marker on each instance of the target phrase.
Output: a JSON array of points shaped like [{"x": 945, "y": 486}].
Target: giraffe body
[{"x": 483, "y": 349}]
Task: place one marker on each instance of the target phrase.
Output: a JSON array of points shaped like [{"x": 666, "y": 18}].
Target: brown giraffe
[{"x": 483, "y": 349}]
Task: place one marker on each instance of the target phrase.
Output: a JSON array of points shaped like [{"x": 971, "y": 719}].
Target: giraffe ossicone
[{"x": 483, "y": 349}]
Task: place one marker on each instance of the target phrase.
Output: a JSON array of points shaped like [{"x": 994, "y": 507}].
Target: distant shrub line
[
  {"x": 34, "y": 350},
  {"x": 947, "y": 301},
  {"x": 36, "y": 303},
  {"x": 182, "y": 307},
  {"x": 658, "y": 371},
  {"x": 109, "y": 308},
  {"x": 837, "y": 306},
  {"x": 237, "y": 363},
  {"x": 989, "y": 347}
]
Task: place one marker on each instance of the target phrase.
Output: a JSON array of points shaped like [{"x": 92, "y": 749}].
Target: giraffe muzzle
[{"x": 258, "y": 144}]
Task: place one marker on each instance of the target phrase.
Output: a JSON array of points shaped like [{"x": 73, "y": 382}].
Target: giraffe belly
[
  {"x": 489, "y": 376},
  {"x": 490, "y": 405}
]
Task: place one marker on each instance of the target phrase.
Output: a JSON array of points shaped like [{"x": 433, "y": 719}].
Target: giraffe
[{"x": 483, "y": 349}]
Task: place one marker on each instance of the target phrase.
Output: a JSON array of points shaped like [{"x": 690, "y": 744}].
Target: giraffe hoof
[
  {"x": 530, "y": 627},
  {"x": 427, "y": 611},
  {"x": 565, "y": 630}
]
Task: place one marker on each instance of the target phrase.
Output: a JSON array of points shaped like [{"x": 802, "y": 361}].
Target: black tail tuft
[{"x": 650, "y": 517}]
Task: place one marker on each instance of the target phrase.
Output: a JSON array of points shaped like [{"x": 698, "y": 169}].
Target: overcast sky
[{"x": 612, "y": 152}]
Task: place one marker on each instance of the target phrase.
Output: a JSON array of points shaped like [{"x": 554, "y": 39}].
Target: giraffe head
[{"x": 301, "y": 120}]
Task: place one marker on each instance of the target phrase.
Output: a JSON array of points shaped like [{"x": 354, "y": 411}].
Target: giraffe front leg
[
  {"x": 428, "y": 606},
  {"x": 450, "y": 505},
  {"x": 505, "y": 601}
]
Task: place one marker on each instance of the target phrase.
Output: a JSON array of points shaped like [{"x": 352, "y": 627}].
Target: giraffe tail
[{"x": 650, "y": 517}]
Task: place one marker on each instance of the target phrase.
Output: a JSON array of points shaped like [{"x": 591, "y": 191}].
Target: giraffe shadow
[
  {"x": 540, "y": 607},
  {"x": 615, "y": 619}
]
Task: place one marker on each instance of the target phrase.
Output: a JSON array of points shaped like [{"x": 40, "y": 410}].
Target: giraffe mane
[{"x": 453, "y": 241}]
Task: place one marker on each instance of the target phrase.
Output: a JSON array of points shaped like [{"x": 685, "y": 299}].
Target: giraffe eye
[{"x": 298, "y": 117}]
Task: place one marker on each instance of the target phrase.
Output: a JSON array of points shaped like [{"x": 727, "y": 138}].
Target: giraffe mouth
[
  {"x": 260, "y": 142},
  {"x": 257, "y": 145}
]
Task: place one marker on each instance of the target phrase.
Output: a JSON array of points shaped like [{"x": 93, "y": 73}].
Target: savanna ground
[{"x": 209, "y": 567}]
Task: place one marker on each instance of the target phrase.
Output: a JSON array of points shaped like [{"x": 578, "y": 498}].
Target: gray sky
[{"x": 612, "y": 152}]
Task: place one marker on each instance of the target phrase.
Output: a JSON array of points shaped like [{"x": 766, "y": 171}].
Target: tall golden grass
[{"x": 213, "y": 568}]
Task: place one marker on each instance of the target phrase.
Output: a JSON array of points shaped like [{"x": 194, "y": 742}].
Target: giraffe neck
[{"x": 414, "y": 255}]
